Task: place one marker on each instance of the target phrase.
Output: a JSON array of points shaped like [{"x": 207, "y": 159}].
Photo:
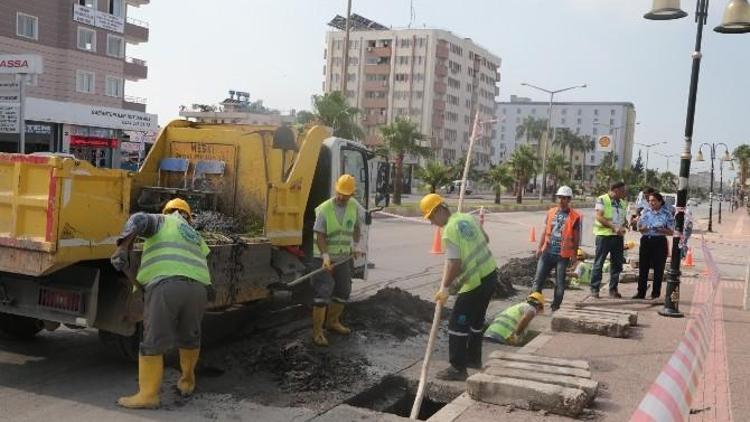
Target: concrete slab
[
  {"x": 453, "y": 410},
  {"x": 536, "y": 367},
  {"x": 583, "y": 323},
  {"x": 632, "y": 315},
  {"x": 345, "y": 413},
  {"x": 586, "y": 384},
  {"x": 504, "y": 391},
  {"x": 586, "y": 315},
  {"x": 519, "y": 357}
]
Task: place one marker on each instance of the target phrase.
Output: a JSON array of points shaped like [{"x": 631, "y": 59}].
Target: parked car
[{"x": 455, "y": 187}]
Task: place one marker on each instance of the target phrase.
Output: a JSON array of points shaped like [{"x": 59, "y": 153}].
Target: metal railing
[
  {"x": 133, "y": 60},
  {"x": 135, "y": 100},
  {"x": 137, "y": 22}
]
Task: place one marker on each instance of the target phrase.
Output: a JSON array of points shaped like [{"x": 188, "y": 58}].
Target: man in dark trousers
[{"x": 609, "y": 229}]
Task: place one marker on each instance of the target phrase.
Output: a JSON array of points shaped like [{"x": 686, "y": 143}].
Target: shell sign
[{"x": 605, "y": 143}]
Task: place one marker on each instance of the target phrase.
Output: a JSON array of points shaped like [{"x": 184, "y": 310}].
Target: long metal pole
[
  {"x": 543, "y": 185},
  {"x": 22, "y": 113},
  {"x": 711, "y": 194},
  {"x": 721, "y": 186},
  {"x": 345, "y": 71},
  {"x": 672, "y": 299}
]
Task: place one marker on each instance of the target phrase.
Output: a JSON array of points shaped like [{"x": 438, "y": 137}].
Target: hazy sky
[{"x": 274, "y": 50}]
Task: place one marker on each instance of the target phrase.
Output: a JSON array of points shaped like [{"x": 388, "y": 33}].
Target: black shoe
[
  {"x": 554, "y": 308},
  {"x": 639, "y": 296},
  {"x": 655, "y": 297},
  {"x": 474, "y": 365},
  {"x": 452, "y": 374},
  {"x": 595, "y": 295},
  {"x": 615, "y": 295}
]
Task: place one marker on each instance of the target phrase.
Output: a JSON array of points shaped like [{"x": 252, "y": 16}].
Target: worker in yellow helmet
[
  {"x": 336, "y": 230},
  {"x": 469, "y": 264},
  {"x": 174, "y": 276},
  {"x": 509, "y": 326}
]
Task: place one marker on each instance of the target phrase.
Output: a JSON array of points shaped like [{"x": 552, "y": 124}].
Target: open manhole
[
  {"x": 395, "y": 395},
  {"x": 522, "y": 341}
]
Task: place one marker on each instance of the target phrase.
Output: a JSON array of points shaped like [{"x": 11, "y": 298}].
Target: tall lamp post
[
  {"x": 736, "y": 21},
  {"x": 726, "y": 157},
  {"x": 667, "y": 156},
  {"x": 648, "y": 150},
  {"x": 549, "y": 126}
]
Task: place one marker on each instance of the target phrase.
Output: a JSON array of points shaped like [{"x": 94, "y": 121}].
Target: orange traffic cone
[
  {"x": 437, "y": 242},
  {"x": 532, "y": 235},
  {"x": 689, "y": 259}
]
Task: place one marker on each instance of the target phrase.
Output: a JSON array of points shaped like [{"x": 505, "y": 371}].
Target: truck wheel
[
  {"x": 20, "y": 327},
  {"x": 124, "y": 347}
]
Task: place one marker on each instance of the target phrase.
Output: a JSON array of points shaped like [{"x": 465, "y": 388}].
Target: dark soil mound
[
  {"x": 520, "y": 271},
  {"x": 391, "y": 311}
]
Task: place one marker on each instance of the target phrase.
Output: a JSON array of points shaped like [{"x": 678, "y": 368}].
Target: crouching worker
[
  {"x": 509, "y": 326},
  {"x": 174, "y": 276}
]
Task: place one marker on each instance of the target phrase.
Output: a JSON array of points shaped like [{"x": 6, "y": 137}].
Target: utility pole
[{"x": 345, "y": 71}]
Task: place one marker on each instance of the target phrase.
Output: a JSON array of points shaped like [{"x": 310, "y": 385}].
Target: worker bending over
[
  {"x": 509, "y": 326},
  {"x": 336, "y": 229},
  {"x": 470, "y": 263},
  {"x": 174, "y": 276}
]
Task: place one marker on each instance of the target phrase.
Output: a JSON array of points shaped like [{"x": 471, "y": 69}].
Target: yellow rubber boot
[
  {"x": 319, "y": 317},
  {"x": 333, "y": 322},
  {"x": 188, "y": 361},
  {"x": 150, "y": 373}
]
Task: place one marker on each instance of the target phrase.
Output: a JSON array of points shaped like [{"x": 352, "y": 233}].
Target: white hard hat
[{"x": 565, "y": 191}]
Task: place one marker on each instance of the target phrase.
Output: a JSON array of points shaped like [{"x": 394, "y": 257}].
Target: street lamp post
[
  {"x": 712, "y": 156},
  {"x": 549, "y": 126},
  {"x": 736, "y": 20},
  {"x": 648, "y": 150},
  {"x": 667, "y": 156}
]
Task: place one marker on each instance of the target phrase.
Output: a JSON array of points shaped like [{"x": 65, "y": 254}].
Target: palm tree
[
  {"x": 499, "y": 177},
  {"x": 331, "y": 109},
  {"x": 522, "y": 163},
  {"x": 605, "y": 173},
  {"x": 532, "y": 128},
  {"x": 434, "y": 174},
  {"x": 587, "y": 145},
  {"x": 558, "y": 169},
  {"x": 742, "y": 155},
  {"x": 400, "y": 138}
]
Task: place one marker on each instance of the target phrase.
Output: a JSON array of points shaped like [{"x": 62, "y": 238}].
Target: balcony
[
  {"x": 134, "y": 103},
  {"x": 379, "y": 51},
  {"x": 441, "y": 71},
  {"x": 440, "y": 88},
  {"x": 136, "y": 31},
  {"x": 442, "y": 51},
  {"x": 376, "y": 85},
  {"x": 438, "y": 105},
  {"x": 135, "y": 69},
  {"x": 438, "y": 120},
  {"x": 375, "y": 103},
  {"x": 377, "y": 69}
]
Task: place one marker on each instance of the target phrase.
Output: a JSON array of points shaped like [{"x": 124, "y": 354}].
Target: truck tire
[
  {"x": 124, "y": 347},
  {"x": 20, "y": 327}
]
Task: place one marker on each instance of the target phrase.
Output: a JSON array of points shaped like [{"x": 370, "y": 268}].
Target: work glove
[
  {"x": 327, "y": 265},
  {"x": 120, "y": 259},
  {"x": 441, "y": 296}
]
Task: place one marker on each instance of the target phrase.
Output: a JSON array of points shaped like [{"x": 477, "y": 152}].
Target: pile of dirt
[
  {"x": 391, "y": 311},
  {"x": 520, "y": 271}
]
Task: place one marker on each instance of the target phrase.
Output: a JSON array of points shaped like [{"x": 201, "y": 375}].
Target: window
[
  {"x": 86, "y": 39},
  {"x": 533, "y": 111},
  {"x": 116, "y": 7},
  {"x": 115, "y": 46},
  {"x": 579, "y": 121},
  {"x": 563, "y": 120},
  {"x": 596, "y": 112},
  {"x": 403, "y": 59},
  {"x": 88, "y": 3},
  {"x": 612, "y": 112},
  {"x": 564, "y": 111},
  {"x": 113, "y": 87},
  {"x": 580, "y": 111},
  {"x": 405, "y": 43},
  {"x": 611, "y": 122},
  {"x": 85, "y": 82},
  {"x": 27, "y": 26},
  {"x": 401, "y": 77}
]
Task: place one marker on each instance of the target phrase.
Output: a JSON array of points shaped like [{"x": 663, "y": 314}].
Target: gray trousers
[
  {"x": 336, "y": 285},
  {"x": 173, "y": 313}
]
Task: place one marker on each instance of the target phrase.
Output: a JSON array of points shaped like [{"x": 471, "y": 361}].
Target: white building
[
  {"x": 436, "y": 78},
  {"x": 593, "y": 119}
]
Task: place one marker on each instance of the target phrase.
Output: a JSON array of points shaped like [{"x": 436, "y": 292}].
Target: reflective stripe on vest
[
  {"x": 175, "y": 250},
  {"x": 339, "y": 234},
  {"x": 476, "y": 258},
  {"x": 567, "y": 242},
  {"x": 599, "y": 229},
  {"x": 506, "y": 322}
]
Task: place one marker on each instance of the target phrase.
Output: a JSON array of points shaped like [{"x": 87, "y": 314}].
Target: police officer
[
  {"x": 609, "y": 228},
  {"x": 336, "y": 230},
  {"x": 174, "y": 275},
  {"x": 470, "y": 263}
]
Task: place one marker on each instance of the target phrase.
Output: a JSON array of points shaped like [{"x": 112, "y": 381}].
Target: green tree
[
  {"x": 332, "y": 110},
  {"x": 605, "y": 174},
  {"x": 434, "y": 174},
  {"x": 742, "y": 155},
  {"x": 522, "y": 163},
  {"x": 587, "y": 145},
  {"x": 304, "y": 117},
  {"x": 400, "y": 138},
  {"x": 668, "y": 181},
  {"x": 457, "y": 170},
  {"x": 532, "y": 128},
  {"x": 558, "y": 169},
  {"x": 498, "y": 177}
]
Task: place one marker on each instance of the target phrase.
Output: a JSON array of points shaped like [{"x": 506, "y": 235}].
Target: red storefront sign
[{"x": 92, "y": 142}]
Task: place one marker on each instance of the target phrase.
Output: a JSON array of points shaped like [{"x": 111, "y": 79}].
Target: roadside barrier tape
[
  {"x": 670, "y": 396},
  {"x": 401, "y": 217}
]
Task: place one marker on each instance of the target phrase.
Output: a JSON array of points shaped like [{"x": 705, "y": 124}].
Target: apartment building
[
  {"x": 593, "y": 119},
  {"x": 434, "y": 77},
  {"x": 78, "y": 104}
]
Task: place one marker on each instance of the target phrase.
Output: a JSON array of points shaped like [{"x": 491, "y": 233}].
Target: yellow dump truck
[{"x": 60, "y": 217}]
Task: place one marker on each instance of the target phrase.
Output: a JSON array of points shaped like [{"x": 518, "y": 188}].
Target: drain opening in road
[{"x": 395, "y": 395}]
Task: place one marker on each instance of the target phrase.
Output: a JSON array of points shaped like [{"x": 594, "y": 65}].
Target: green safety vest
[
  {"x": 476, "y": 258},
  {"x": 599, "y": 229},
  {"x": 339, "y": 234},
  {"x": 175, "y": 250},
  {"x": 506, "y": 322}
]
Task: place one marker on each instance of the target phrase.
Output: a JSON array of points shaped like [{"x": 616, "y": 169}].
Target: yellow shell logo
[{"x": 604, "y": 141}]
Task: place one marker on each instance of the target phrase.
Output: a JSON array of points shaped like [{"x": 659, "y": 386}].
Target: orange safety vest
[{"x": 568, "y": 247}]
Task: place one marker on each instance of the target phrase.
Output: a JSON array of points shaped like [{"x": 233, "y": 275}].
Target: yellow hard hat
[
  {"x": 580, "y": 252},
  {"x": 630, "y": 244},
  {"x": 346, "y": 184},
  {"x": 537, "y": 297},
  {"x": 429, "y": 203},
  {"x": 177, "y": 204}
]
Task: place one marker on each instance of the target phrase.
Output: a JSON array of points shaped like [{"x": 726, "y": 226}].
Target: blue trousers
[{"x": 545, "y": 265}]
